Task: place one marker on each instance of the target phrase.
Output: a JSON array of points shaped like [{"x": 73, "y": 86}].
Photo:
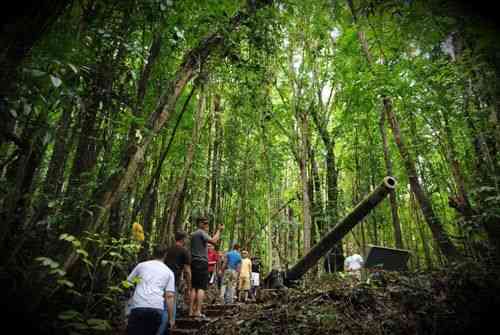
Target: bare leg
[
  {"x": 223, "y": 293},
  {"x": 192, "y": 302},
  {"x": 200, "y": 295},
  {"x": 245, "y": 295}
]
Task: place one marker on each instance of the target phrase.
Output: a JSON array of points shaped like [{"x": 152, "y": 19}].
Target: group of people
[
  {"x": 240, "y": 276},
  {"x": 160, "y": 281}
]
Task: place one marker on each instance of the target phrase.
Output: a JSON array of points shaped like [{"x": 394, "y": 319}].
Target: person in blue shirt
[{"x": 231, "y": 268}]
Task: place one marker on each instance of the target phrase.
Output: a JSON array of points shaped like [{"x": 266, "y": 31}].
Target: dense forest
[{"x": 273, "y": 118}]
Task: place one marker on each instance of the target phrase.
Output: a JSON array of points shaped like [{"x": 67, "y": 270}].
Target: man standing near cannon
[{"x": 353, "y": 265}]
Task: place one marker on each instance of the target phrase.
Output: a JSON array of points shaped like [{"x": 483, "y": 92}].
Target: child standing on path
[
  {"x": 255, "y": 280},
  {"x": 245, "y": 273}
]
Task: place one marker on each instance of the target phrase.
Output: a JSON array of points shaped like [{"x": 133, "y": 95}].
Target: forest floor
[{"x": 458, "y": 300}]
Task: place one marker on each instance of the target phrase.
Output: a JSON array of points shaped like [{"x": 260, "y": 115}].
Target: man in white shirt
[
  {"x": 155, "y": 287},
  {"x": 353, "y": 265}
]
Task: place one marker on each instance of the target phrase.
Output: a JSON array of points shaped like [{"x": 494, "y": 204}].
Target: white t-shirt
[
  {"x": 354, "y": 262},
  {"x": 155, "y": 279},
  {"x": 255, "y": 279}
]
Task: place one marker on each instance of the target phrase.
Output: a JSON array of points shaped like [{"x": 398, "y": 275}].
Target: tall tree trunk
[
  {"x": 243, "y": 192},
  {"x": 214, "y": 199},
  {"x": 22, "y": 172},
  {"x": 55, "y": 173},
  {"x": 331, "y": 176},
  {"x": 304, "y": 177},
  {"x": 438, "y": 232},
  {"x": 147, "y": 222},
  {"x": 115, "y": 220},
  {"x": 317, "y": 201},
  {"x": 85, "y": 160},
  {"x": 396, "y": 224},
  {"x": 210, "y": 163},
  {"x": 461, "y": 203},
  {"x": 421, "y": 232},
  {"x": 155, "y": 179},
  {"x": 176, "y": 197},
  {"x": 86, "y": 151},
  {"x": 113, "y": 188},
  {"x": 93, "y": 109}
]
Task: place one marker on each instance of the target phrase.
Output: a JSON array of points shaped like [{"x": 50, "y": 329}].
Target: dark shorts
[
  {"x": 199, "y": 270},
  {"x": 144, "y": 321}
]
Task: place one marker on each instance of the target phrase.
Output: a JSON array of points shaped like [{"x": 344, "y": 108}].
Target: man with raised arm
[{"x": 199, "y": 264}]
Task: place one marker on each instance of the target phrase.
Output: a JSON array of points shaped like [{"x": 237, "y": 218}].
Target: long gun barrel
[{"x": 341, "y": 229}]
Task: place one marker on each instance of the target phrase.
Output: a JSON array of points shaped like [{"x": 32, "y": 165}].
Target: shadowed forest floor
[
  {"x": 462, "y": 299},
  {"x": 459, "y": 300}
]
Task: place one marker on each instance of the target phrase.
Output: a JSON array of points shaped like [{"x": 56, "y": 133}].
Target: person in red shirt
[
  {"x": 213, "y": 257},
  {"x": 219, "y": 271}
]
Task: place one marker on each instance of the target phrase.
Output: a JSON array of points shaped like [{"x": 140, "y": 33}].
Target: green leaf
[
  {"x": 79, "y": 325},
  {"x": 486, "y": 189},
  {"x": 86, "y": 261},
  {"x": 116, "y": 289},
  {"x": 115, "y": 254},
  {"x": 38, "y": 73},
  {"x": 55, "y": 81},
  {"x": 82, "y": 252},
  {"x": 99, "y": 324},
  {"x": 489, "y": 199},
  {"x": 59, "y": 272},
  {"x": 67, "y": 237},
  {"x": 48, "y": 262},
  {"x": 74, "y": 292},
  {"x": 65, "y": 282},
  {"x": 69, "y": 315},
  {"x": 127, "y": 284},
  {"x": 73, "y": 68}
]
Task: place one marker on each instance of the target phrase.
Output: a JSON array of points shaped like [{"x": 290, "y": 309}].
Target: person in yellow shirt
[
  {"x": 245, "y": 274},
  {"x": 138, "y": 232}
]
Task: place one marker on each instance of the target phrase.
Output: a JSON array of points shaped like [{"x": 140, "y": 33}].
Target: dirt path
[{"x": 213, "y": 312}]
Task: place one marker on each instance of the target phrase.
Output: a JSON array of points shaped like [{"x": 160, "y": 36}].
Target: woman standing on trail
[{"x": 245, "y": 273}]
